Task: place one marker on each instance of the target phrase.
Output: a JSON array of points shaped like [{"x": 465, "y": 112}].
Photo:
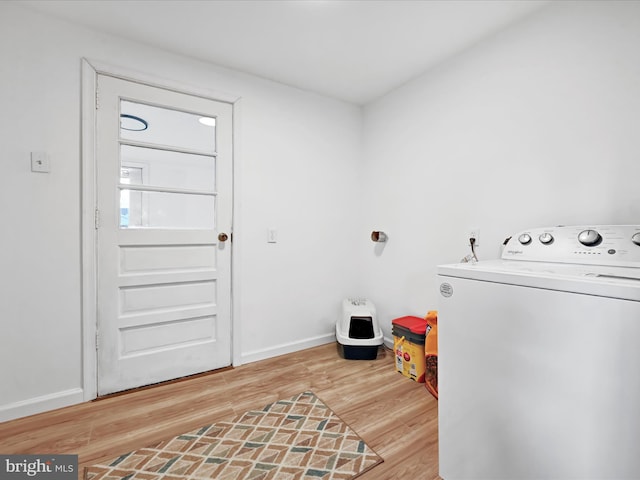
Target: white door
[{"x": 163, "y": 219}]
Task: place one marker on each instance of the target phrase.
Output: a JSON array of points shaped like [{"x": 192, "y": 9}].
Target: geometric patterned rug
[{"x": 294, "y": 439}]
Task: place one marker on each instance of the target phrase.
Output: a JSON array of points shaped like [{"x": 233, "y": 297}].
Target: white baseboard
[
  {"x": 285, "y": 348},
  {"x": 41, "y": 404},
  {"x": 74, "y": 396}
]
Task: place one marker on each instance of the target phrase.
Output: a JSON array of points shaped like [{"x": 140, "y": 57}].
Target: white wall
[
  {"x": 537, "y": 126},
  {"x": 298, "y": 163}
]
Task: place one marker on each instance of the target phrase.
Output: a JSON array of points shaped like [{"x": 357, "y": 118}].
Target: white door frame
[{"x": 90, "y": 71}]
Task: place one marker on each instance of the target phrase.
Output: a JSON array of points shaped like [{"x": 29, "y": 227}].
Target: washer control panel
[{"x": 614, "y": 245}]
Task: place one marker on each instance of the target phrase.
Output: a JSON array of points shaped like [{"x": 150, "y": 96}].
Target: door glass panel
[
  {"x": 128, "y": 199},
  {"x": 142, "y": 209},
  {"x": 162, "y": 126},
  {"x": 169, "y": 169}
]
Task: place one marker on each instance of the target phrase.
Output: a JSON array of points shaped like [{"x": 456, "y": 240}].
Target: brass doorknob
[{"x": 223, "y": 237}]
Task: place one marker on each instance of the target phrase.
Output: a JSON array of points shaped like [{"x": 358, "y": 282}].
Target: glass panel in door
[{"x": 170, "y": 128}]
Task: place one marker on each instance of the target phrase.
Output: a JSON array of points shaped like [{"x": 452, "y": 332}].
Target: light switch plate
[{"x": 40, "y": 162}]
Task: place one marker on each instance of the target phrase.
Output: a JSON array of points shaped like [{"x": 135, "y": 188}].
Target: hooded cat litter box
[{"x": 357, "y": 332}]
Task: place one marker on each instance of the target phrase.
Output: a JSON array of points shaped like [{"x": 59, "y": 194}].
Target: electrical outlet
[{"x": 474, "y": 233}]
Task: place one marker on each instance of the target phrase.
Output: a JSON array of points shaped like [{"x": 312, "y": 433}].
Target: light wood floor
[{"x": 394, "y": 415}]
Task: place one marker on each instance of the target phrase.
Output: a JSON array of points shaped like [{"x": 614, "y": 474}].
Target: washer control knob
[
  {"x": 546, "y": 238},
  {"x": 636, "y": 238},
  {"x": 524, "y": 239},
  {"x": 589, "y": 238}
]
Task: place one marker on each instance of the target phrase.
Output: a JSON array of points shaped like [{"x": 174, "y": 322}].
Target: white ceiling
[{"x": 354, "y": 50}]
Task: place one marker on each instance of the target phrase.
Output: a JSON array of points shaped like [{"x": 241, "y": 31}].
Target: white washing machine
[{"x": 539, "y": 358}]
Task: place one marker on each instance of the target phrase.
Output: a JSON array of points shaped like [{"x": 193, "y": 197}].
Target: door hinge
[
  {"x": 97, "y": 339},
  {"x": 96, "y": 219},
  {"x": 97, "y": 99}
]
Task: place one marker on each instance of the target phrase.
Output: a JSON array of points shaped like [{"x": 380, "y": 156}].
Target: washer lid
[{"x": 605, "y": 281}]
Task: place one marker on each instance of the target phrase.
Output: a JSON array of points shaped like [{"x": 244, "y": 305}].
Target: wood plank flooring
[{"x": 394, "y": 415}]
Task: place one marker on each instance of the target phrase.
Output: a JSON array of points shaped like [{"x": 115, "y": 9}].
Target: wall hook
[{"x": 377, "y": 236}]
